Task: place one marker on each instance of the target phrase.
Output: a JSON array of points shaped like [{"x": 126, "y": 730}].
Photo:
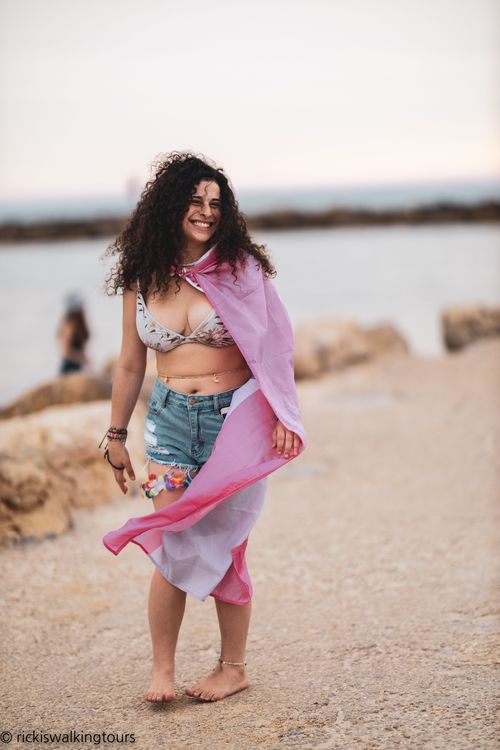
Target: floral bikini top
[{"x": 210, "y": 331}]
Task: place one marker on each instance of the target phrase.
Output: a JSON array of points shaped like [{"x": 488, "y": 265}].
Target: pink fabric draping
[{"x": 199, "y": 542}]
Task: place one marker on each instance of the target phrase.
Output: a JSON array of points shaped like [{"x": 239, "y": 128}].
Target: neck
[{"x": 193, "y": 251}]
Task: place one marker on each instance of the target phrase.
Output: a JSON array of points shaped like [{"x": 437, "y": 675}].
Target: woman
[
  {"x": 187, "y": 229},
  {"x": 73, "y": 334}
]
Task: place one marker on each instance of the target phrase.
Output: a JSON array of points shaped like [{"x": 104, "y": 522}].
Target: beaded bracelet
[{"x": 115, "y": 433}]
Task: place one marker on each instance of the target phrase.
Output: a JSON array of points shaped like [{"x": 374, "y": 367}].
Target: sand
[{"x": 375, "y": 567}]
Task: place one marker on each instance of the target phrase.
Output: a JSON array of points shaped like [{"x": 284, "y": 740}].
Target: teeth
[{"x": 201, "y": 224}]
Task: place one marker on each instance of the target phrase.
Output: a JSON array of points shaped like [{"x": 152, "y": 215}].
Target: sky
[{"x": 278, "y": 93}]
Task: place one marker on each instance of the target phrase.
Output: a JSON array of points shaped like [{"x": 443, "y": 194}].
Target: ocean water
[
  {"x": 402, "y": 275},
  {"x": 258, "y": 200}
]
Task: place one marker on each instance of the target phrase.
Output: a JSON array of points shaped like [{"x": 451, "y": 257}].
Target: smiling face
[{"x": 203, "y": 214}]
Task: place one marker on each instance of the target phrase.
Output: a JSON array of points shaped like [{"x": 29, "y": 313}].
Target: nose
[{"x": 206, "y": 210}]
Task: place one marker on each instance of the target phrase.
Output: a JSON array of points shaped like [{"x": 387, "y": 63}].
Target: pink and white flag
[{"x": 199, "y": 541}]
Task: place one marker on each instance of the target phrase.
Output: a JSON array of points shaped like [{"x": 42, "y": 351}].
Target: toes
[
  {"x": 203, "y": 692},
  {"x": 195, "y": 691},
  {"x": 159, "y": 697}
]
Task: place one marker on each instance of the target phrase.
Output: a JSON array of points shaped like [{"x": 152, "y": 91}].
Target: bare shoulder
[
  {"x": 133, "y": 350},
  {"x": 130, "y": 301}
]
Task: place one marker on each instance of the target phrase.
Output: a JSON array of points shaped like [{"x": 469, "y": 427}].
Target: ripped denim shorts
[{"x": 180, "y": 431}]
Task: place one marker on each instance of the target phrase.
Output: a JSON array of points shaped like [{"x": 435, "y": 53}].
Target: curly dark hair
[{"x": 152, "y": 239}]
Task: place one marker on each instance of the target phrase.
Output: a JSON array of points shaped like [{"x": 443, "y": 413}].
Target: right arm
[{"x": 127, "y": 383}]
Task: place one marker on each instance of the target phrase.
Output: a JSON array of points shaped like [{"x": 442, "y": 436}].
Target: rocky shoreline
[{"x": 110, "y": 226}]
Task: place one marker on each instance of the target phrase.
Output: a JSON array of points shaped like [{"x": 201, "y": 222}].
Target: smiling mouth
[{"x": 204, "y": 225}]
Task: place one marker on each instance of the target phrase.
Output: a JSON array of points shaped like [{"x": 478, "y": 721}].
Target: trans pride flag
[{"x": 198, "y": 542}]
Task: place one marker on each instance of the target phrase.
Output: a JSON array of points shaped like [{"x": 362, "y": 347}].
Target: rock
[
  {"x": 384, "y": 338},
  {"x": 50, "y": 464},
  {"x": 68, "y": 389},
  {"x": 76, "y": 388},
  {"x": 330, "y": 344},
  {"x": 465, "y": 324}
]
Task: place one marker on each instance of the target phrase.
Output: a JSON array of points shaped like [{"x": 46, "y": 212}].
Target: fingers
[
  {"x": 120, "y": 479},
  {"x": 285, "y": 441},
  {"x": 130, "y": 470},
  {"x": 121, "y": 458},
  {"x": 296, "y": 443},
  {"x": 287, "y": 447},
  {"x": 275, "y": 437},
  {"x": 279, "y": 435}
]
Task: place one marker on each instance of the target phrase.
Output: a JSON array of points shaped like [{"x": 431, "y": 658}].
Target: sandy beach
[{"x": 375, "y": 617}]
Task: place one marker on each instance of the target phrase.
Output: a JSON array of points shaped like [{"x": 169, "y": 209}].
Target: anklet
[{"x": 234, "y": 663}]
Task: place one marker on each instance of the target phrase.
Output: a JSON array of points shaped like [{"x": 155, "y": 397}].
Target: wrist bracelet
[{"x": 114, "y": 433}]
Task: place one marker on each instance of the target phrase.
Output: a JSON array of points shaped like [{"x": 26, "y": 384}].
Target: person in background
[{"x": 73, "y": 335}]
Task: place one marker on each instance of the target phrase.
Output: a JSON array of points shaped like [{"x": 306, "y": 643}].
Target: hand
[
  {"x": 285, "y": 441},
  {"x": 119, "y": 456}
]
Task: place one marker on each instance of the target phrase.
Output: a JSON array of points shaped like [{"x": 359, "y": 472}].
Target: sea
[
  {"x": 261, "y": 200},
  {"x": 402, "y": 275}
]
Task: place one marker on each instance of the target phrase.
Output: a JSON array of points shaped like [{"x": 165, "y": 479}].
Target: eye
[{"x": 198, "y": 202}]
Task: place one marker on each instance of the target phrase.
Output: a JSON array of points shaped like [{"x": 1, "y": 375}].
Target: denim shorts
[{"x": 181, "y": 428}]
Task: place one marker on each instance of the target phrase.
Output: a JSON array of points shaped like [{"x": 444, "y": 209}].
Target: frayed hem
[{"x": 175, "y": 464}]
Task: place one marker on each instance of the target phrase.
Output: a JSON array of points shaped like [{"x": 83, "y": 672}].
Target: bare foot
[
  {"x": 161, "y": 687},
  {"x": 224, "y": 680}
]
